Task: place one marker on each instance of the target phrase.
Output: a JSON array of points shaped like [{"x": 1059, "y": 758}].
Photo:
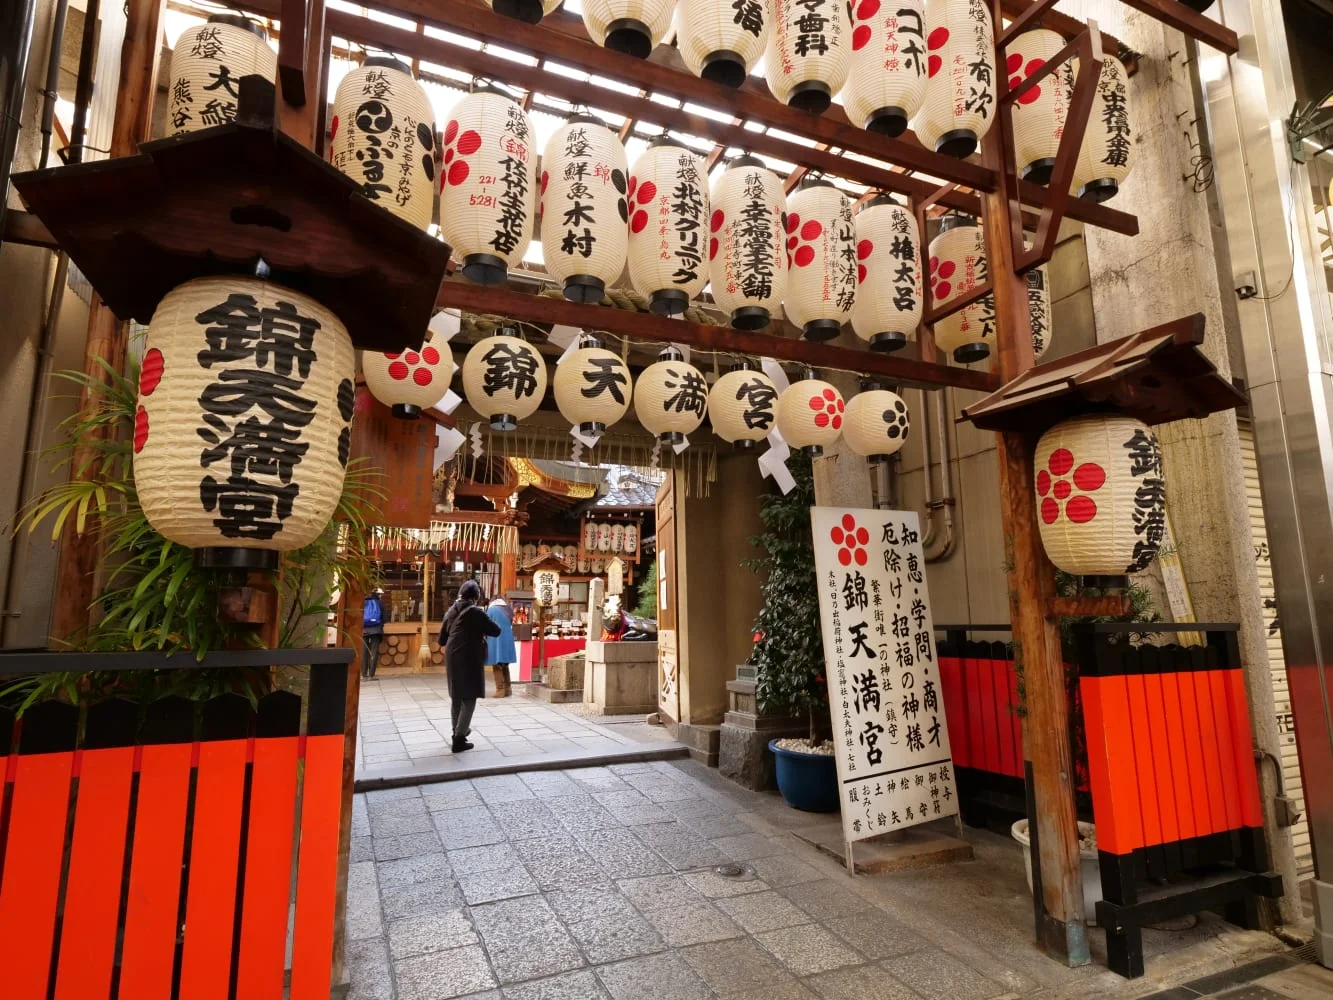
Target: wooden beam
[
  {"x": 292, "y": 43},
  {"x": 1031, "y": 16},
  {"x": 28, "y": 230},
  {"x": 1175, "y": 14}
]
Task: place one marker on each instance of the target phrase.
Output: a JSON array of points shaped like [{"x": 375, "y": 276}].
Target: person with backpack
[
  {"x": 463, "y": 639},
  {"x": 372, "y": 631}
]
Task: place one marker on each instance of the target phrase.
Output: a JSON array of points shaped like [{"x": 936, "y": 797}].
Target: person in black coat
[{"x": 463, "y": 638}]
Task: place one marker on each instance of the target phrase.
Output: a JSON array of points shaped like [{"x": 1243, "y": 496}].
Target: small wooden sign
[{"x": 403, "y": 451}]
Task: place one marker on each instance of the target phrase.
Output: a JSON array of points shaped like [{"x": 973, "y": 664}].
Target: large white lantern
[
  {"x": 806, "y": 62},
  {"x": 593, "y": 388},
  {"x": 888, "y": 291},
  {"x": 747, "y": 254},
  {"x": 504, "y": 379},
  {"x": 528, "y": 11},
  {"x": 206, "y": 69},
  {"x": 410, "y": 381},
  {"x": 886, "y": 74},
  {"x": 958, "y": 265},
  {"x": 1101, "y": 498},
  {"x": 244, "y": 422},
  {"x": 810, "y": 415},
  {"x": 1040, "y": 113},
  {"x": 1107, "y": 154},
  {"x": 722, "y": 42},
  {"x": 546, "y": 588},
  {"x": 671, "y": 397},
  {"x": 584, "y": 213},
  {"x": 634, "y": 27},
  {"x": 488, "y": 185},
  {"x": 384, "y": 138},
  {"x": 1039, "y": 310},
  {"x": 668, "y": 226},
  {"x": 876, "y": 424},
  {"x": 821, "y": 250},
  {"x": 742, "y": 406},
  {"x": 960, "y": 68}
]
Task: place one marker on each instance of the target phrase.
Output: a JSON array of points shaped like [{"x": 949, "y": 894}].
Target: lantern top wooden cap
[
  {"x": 1155, "y": 375},
  {"x": 239, "y": 21}
]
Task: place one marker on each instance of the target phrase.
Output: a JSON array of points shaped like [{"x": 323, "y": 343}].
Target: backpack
[{"x": 373, "y": 614}]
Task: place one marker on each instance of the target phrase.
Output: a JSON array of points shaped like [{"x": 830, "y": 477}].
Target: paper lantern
[
  {"x": 243, "y": 426},
  {"x": 383, "y": 137},
  {"x": 617, "y": 537},
  {"x": 1101, "y": 498},
  {"x": 821, "y": 252},
  {"x": 668, "y": 225},
  {"x": 1039, "y": 113},
  {"x": 206, "y": 69},
  {"x": 527, "y": 11},
  {"x": 721, "y": 41},
  {"x": 888, "y": 274},
  {"x": 808, "y": 48},
  {"x": 958, "y": 265},
  {"x": 630, "y": 543},
  {"x": 742, "y": 406},
  {"x": 504, "y": 379},
  {"x": 589, "y": 535},
  {"x": 584, "y": 211},
  {"x": 1107, "y": 154},
  {"x": 959, "y": 106},
  {"x": 488, "y": 185},
  {"x": 810, "y": 415},
  {"x": 876, "y": 424},
  {"x": 634, "y": 27},
  {"x": 604, "y": 537},
  {"x": 546, "y": 588},
  {"x": 886, "y": 72},
  {"x": 1039, "y": 310},
  {"x": 671, "y": 397},
  {"x": 593, "y": 389},
  {"x": 410, "y": 381},
  {"x": 747, "y": 255}
]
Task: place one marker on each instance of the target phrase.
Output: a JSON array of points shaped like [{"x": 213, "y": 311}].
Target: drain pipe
[
  {"x": 52, "y": 91},
  {"x": 938, "y": 544}
]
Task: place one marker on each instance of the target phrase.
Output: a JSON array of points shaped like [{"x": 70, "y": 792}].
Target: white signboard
[
  {"x": 891, "y": 740},
  {"x": 546, "y": 587}
]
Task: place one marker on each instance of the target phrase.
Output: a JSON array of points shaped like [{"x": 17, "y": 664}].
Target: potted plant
[{"x": 788, "y": 651}]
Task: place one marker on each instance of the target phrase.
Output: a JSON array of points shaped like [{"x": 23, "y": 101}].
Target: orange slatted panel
[
  {"x": 1202, "y": 821},
  {"x": 148, "y": 956},
  {"x": 317, "y": 871},
  {"x": 976, "y": 728},
  {"x": 1250, "y": 809},
  {"x": 985, "y": 695},
  {"x": 268, "y": 869},
  {"x": 96, "y": 871},
  {"x": 955, "y": 708},
  {"x": 1114, "y": 787},
  {"x": 1163, "y": 768},
  {"x": 1181, "y": 764},
  {"x": 1226, "y": 747},
  {"x": 1004, "y": 729},
  {"x": 1217, "y": 799},
  {"x": 1141, "y": 744},
  {"x": 210, "y": 907},
  {"x": 30, "y": 884}
]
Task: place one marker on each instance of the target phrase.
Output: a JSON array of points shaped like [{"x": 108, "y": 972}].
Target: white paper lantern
[
  {"x": 959, "y": 107},
  {"x": 1100, "y": 495},
  {"x": 527, "y": 11},
  {"x": 1039, "y": 310},
  {"x": 668, "y": 226},
  {"x": 604, "y": 536},
  {"x": 410, "y": 381},
  {"x": 634, "y": 27},
  {"x": 504, "y": 379},
  {"x": 488, "y": 185},
  {"x": 384, "y": 138},
  {"x": 584, "y": 213},
  {"x": 808, "y": 49},
  {"x": 810, "y": 415},
  {"x": 722, "y": 41},
  {"x": 671, "y": 398},
  {"x": 876, "y": 424},
  {"x": 589, "y": 535},
  {"x": 546, "y": 588},
  {"x": 1107, "y": 154},
  {"x": 243, "y": 427},
  {"x": 742, "y": 407},
  {"x": 1041, "y": 112},
  {"x": 958, "y": 265},
  {"x": 631, "y": 540},
  {"x": 888, "y": 291},
  {"x": 206, "y": 69},
  {"x": 886, "y": 72},
  {"x": 821, "y": 252},
  {"x": 617, "y": 539},
  {"x": 747, "y": 255},
  {"x": 593, "y": 389}
]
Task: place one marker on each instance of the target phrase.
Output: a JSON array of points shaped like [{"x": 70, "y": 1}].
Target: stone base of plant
[{"x": 803, "y": 746}]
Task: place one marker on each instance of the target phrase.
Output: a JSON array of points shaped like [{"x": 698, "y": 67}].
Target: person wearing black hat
[{"x": 463, "y": 639}]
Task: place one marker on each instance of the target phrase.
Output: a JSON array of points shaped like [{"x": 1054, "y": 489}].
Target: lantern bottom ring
[
  {"x": 527, "y": 11},
  {"x": 233, "y": 557},
  {"x": 811, "y": 96},
  {"x": 630, "y": 36},
  {"x": 671, "y": 438},
  {"x": 584, "y": 288},
  {"x": 592, "y": 428},
  {"x": 504, "y": 422},
  {"x": 969, "y": 353},
  {"x": 878, "y": 459},
  {"x": 1105, "y": 582},
  {"x": 725, "y": 67},
  {"x": 406, "y": 411},
  {"x": 743, "y": 445},
  {"x": 820, "y": 330},
  {"x": 888, "y": 342},
  {"x": 485, "y": 269},
  {"x": 960, "y": 143},
  {"x": 890, "y": 121},
  {"x": 668, "y": 301},
  {"x": 812, "y": 450},
  {"x": 1099, "y": 190},
  {"x": 749, "y": 318},
  {"x": 1039, "y": 171}
]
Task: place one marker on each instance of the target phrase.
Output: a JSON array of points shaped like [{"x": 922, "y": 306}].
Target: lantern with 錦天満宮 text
[
  {"x": 810, "y": 415},
  {"x": 410, "y": 381},
  {"x": 204, "y": 80},
  {"x": 670, "y": 397},
  {"x": 504, "y": 379},
  {"x": 821, "y": 253},
  {"x": 742, "y": 406},
  {"x": 888, "y": 275},
  {"x": 747, "y": 253}
]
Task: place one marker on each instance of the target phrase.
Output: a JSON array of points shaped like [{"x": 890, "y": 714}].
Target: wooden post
[
  {"x": 423, "y": 651},
  {"x": 303, "y": 122},
  {"x": 350, "y": 620},
  {"x": 508, "y": 573}
]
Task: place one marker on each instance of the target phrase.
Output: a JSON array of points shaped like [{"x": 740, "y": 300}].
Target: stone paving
[{"x": 598, "y": 883}]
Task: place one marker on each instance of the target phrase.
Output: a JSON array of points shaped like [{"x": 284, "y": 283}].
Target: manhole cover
[{"x": 734, "y": 871}]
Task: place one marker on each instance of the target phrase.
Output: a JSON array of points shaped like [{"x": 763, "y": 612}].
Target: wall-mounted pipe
[
  {"x": 938, "y": 536},
  {"x": 52, "y": 92}
]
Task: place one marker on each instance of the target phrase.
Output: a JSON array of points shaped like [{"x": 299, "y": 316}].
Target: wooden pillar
[
  {"x": 508, "y": 573},
  {"x": 304, "y": 122}
]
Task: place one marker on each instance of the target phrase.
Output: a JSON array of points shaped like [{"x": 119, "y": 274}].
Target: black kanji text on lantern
[{"x": 604, "y": 375}]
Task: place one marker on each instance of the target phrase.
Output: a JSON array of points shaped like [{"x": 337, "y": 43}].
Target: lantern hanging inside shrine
[
  {"x": 810, "y": 415},
  {"x": 668, "y": 225},
  {"x": 410, "y": 381},
  {"x": 821, "y": 254},
  {"x": 240, "y": 452},
  {"x": 958, "y": 265},
  {"x": 383, "y": 137},
  {"x": 1039, "y": 310},
  {"x": 888, "y": 274},
  {"x": 959, "y": 107},
  {"x": 206, "y": 69},
  {"x": 746, "y": 248},
  {"x": 722, "y": 42},
  {"x": 488, "y": 185},
  {"x": 886, "y": 72},
  {"x": 1040, "y": 112},
  {"x": 584, "y": 232},
  {"x": 527, "y": 11},
  {"x": 1101, "y": 498},
  {"x": 1107, "y": 154},
  {"x": 671, "y": 397},
  {"x": 876, "y": 423},
  {"x": 504, "y": 379},
  {"x": 593, "y": 388},
  {"x": 808, "y": 48},
  {"x": 546, "y": 588},
  {"x": 634, "y": 27},
  {"x": 742, "y": 406}
]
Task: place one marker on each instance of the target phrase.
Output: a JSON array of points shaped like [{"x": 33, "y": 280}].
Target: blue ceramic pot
[{"x": 807, "y": 781}]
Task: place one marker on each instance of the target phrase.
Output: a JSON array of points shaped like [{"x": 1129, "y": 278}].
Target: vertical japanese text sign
[{"x": 890, "y": 738}]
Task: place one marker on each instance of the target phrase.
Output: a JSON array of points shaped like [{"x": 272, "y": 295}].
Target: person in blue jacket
[
  {"x": 372, "y": 631},
  {"x": 500, "y": 649}
]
